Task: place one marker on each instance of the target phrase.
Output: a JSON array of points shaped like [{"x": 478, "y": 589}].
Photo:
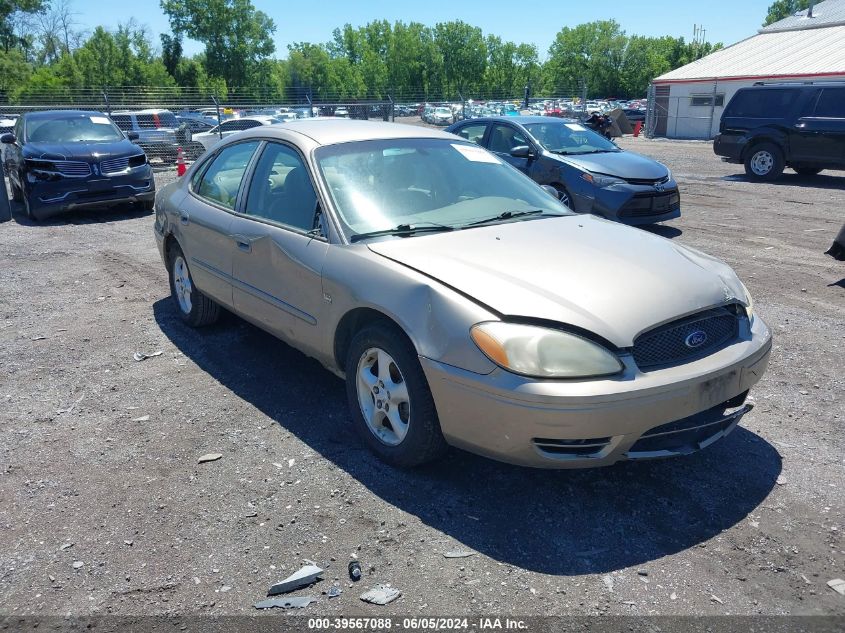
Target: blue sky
[{"x": 726, "y": 21}]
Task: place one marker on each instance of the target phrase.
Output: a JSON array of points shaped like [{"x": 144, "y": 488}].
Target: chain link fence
[{"x": 163, "y": 121}]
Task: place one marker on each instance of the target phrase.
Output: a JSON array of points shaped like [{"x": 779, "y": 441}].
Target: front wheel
[
  {"x": 564, "y": 197},
  {"x": 764, "y": 162},
  {"x": 389, "y": 398},
  {"x": 193, "y": 306}
]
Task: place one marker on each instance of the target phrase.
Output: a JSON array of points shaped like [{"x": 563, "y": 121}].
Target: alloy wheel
[
  {"x": 383, "y": 396},
  {"x": 182, "y": 284}
]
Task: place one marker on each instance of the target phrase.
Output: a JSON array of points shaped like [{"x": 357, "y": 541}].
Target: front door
[
  {"x": 502, "y": 139},
  {"x": 280, "y": 249},
  {"x": 819, "y": 135}
]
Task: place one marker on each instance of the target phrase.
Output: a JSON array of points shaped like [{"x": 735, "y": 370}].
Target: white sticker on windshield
[
  {"x": 476, "y": 154},
  {"x": 100, "y": 120},
  {"x": 576, "y": 126}
]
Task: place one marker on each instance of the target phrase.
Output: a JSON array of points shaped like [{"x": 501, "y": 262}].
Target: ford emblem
[{"x": 696, "y": 339}]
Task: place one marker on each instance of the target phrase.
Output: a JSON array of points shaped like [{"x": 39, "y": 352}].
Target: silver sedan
[{"x": 461, "y": 302}]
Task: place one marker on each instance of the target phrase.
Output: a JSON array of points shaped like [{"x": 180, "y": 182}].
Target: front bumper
[
  {"x": 631, "y": 204},
  {"x": 51, "y": 197},
  {"x": 580, "y": 424}
]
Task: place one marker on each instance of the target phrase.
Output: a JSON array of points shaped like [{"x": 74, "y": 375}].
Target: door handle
[
  {"x": 184, "y": 218},
  {"x": 246, "y": 247}
]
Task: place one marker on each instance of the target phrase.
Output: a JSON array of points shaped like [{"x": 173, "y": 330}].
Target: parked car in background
[
  {"x": 634, "y": 114},
  {"x": 159, "y": 132},
  {"x": 61, "y": 160},
  {"x": 227, "y": 128},
  {"x": 341, "y": 113},
  {"x": 442, "y": 115},
  {"x": 590, "y": 173},
  {"x": 770, "y": 127},
  {"x": 462, "y": 303},
  {"x": 195, "y": 125}
]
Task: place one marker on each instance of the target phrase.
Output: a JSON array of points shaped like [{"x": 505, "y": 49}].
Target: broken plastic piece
[
  {"x": 458, "y": 554},
  {"x": 381, "y": 594},
  {"x": 209, "y": 457},
  {"x": 139, "y": 356},
  {"x": 285, "y": 603},
  {"x": 334, "y": 591},
  {"x": 838, "y": 585},
  {"x": 308, "y": 575}
]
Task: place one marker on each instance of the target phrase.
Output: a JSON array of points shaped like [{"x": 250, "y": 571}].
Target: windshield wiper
[
  {"x": 509, "y": 215},
  {"x": 404, "y": 230}
]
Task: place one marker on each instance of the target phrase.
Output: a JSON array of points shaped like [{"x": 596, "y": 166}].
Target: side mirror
[
  {"x": 8, "y": 138},
  {"x": 521, "y": 151},
  {"x": 551, "y": 191},
  {"x": 132, "y": 136}
]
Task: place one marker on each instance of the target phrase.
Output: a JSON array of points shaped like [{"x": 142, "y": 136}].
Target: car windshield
[
  {"x": 569, "y": 138},
  {"x": 382, "y": 184},
  {"x": 73, "y": 129}
]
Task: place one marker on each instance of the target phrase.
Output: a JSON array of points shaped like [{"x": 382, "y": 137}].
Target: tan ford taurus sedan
[{"x": 461, "y": 302}]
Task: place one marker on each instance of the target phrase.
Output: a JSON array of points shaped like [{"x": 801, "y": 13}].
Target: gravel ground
[{"x": 105, "y": 509}]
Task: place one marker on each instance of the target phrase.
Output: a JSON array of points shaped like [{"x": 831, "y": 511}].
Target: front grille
[
  {"x": 571, "y": 448},
  {"x": 648, "y": 204},
  {"x": 649, "y": 182},
  {"x": 117, "y": 165},
  {"x": 70, "y": 168},
  {"x": 670, "y": 344}
]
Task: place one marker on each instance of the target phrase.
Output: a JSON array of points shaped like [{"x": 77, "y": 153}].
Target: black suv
[{"x": 770, "y": 127}]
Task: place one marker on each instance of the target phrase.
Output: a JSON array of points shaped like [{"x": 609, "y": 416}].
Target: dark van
[{"x": 770, "y": 127}]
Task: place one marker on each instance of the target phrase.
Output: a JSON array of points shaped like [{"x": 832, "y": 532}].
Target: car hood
[
  {"x": 90, "y": 152},
  {"x": 620, "y": 164},
  {"x": 607, "y": 278}
]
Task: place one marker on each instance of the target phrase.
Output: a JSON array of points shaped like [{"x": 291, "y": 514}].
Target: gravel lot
[{"x": 104, "y": 508}]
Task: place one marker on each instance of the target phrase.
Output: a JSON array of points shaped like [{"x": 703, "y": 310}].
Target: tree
[
  {"x": 781, "y": 9},
  {"x": 464, "y": 55},
  {"x": 593, "y": 52},
  {"x": 14, "y": 23},
  {"x": 237, "y": 37},
  {"x": 171, "y": 52}
]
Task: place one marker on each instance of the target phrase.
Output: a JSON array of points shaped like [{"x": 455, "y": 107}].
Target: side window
[
  {"x": 122, "y": 121},
  {"x": 281, "y": 190},
  {"x": 473, "y": 132},
  {"x": 762, "y": 103},
  {"x": 503, "y": 138},
  {"x": 831, "y": 103},
  {"x": 222, "y": 180}
]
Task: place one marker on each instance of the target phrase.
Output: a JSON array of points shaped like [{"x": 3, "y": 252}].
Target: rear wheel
[
  {"x": 808, "y": 171},
  {"x": 764, "y": 162},
  {"x": 193, "y": 306},
  {"x": 389, "y": 398}
]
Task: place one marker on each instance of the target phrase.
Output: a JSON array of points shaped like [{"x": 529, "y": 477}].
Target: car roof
[
  {"x": 50, "y": 114},
  {"x": 803, "y": 85},
  {"x": 329, "y": 131},
  {"x": 147, "y": 111}
]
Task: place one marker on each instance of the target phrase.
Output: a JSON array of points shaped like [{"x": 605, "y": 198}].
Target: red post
[{"x": 638, "y": 125}]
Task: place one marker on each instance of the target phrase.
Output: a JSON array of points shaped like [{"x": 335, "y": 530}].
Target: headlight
[
  {"x": 601, "y": 181},
  {"x": 749, "y": 303},
  {"x": 541, "y": 352}
]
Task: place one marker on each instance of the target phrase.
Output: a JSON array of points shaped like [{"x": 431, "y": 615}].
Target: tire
[
  {"x": 764, "y": 162},
  {"x": 564, "y": 197},
  {"x": 27, "y": 208},
  {"x": 808, "y": 171},
  {"x": 147, "y": 205},
  {"x": 417, "y": 438},
  {"x": 193, "y": 306}
]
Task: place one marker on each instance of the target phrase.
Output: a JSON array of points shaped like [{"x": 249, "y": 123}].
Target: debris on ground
[
  {"x": 458, "y": 554},
  {"x": 381, "y": 594},
  {"x": 716, "y": 599},
  {"x": 781, "y": 480},
  {"x": 334, "y": 591},
  {"x": 838, "y": 585},
  {"x": 306, "y": 576},
  {"x": 66, "y": 546},
  {"x": 143, "y": 418},
  {"x": 209, "y": 457},
  {"x": 608, "y": 582},
  {"x": 140, "y": 356},
  {"x": 285, "y": 603},
  {"x": 78, "y": 564},
  {"x": 355, "y": 570}
]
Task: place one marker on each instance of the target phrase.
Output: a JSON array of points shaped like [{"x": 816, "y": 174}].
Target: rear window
[
  {"x": 831, "y": 103},
  {"x": 123, "y": 121},
  {"x": 156, "y": 121},
  {"x": 762, "y": 104}
]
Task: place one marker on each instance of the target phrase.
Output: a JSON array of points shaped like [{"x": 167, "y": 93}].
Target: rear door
[
  {"x": 821, "y": 134},
  {"x": 205, "y": 219},
  {"x": 280, "y": 248}
]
